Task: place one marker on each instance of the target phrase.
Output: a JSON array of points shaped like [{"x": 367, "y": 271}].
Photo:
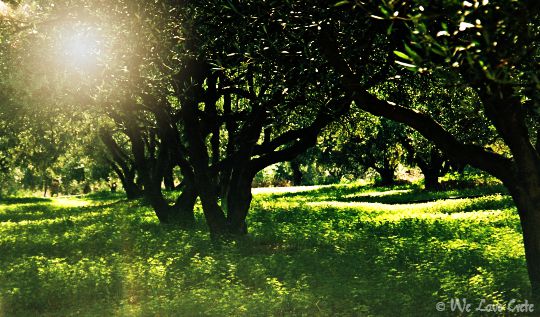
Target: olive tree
[{"x": 492, "y": 47}]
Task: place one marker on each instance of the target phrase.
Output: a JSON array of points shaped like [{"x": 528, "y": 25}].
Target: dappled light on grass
[
  {"x": 302, "y": 257},
  {"x": 294, "y": 189},
  {"x": 442, "y": 206},
  {"x": 22, "y": 200},
  {"x": 66, "y": 202},
  {"x": 379, "y": 194}
]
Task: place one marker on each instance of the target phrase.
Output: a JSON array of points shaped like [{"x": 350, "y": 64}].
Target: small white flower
[
  {"x": 465, "y": 25},
  {"x": 442, "y": 33}
]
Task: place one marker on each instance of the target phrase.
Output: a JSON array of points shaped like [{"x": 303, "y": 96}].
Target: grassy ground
[{"x": 330, "y": 251}]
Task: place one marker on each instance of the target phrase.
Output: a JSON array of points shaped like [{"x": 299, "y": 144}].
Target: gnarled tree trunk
[
  {"x": 181, "y": 212},
  {"x": 387, "y": 173},
  {"x": 133, "y": 191},
  {"x": 122, "y": 165},
  {"x": 238, "y": 200},
  {"x": 168, "y": 177},
  {"x": 431, "y": 179},
  {"x": 297, "y": 173},
  {"x": 205, "y": 181},
  {"x": 527, "y": 200},
  {"x": 127, "y": 178}
]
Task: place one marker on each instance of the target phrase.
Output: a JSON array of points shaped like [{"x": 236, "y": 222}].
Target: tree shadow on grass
[
  {"x": 388, "y": 268},
  {"x": 105, "y": 196},
  {"x": 412, "y": 196},
  {"x": 23, "y": 200},
  {"x": 297, "y": 260},
  {"x": 338, "y": 191},
  {"x": 49, "y": 211}
]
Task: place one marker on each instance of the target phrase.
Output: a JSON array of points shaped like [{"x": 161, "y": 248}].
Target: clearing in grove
[{"x": 326, "y": 251}]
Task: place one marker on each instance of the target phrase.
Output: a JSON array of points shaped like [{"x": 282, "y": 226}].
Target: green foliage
[{"x": 336, "y": 250}]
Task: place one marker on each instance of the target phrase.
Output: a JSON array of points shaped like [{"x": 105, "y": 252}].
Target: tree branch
[
  {"x": 474, "y": 155},
  {"x": 303, "y": 138}
]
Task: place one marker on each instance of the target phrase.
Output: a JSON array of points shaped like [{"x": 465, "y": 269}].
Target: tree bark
[
  {"x": 527, "y": 200},
  {"x": 297, "y": 173},
  {"x": 432, "y": 168},
  {"x": 238, "y": 200},
  {"x": 387, "y": 176},
  {"x": 122, "y": 165},
  {"x": 205, "y": 181},
  {"x": 133, "y": 191},
  {"x": 183, "y": 209},
  {"x": 127, "y": 178},
  {"x": 181, "y": 213},
  {"x": 168, "y": 178},
  {"x": 151, "y": 171},
  {"x": 431, "y": 179},
  {"x": 45, "y": 188},
  {"x": 387, "y": 171}
]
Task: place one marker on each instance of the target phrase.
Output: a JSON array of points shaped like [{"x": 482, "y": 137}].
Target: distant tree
[
  {"x": 380, "y": 149},
  {"x": 121, "y": 162},
  {"x": 436, "y": 95},
  {"x": 361, "y": 141}
]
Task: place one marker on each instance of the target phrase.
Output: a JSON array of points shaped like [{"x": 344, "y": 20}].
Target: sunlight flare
[
  {"x": 79, "y": 46},
  {"x": 4, "y": 9}
]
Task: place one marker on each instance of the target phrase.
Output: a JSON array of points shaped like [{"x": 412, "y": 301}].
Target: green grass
[{"x": 334, "y": 251}]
